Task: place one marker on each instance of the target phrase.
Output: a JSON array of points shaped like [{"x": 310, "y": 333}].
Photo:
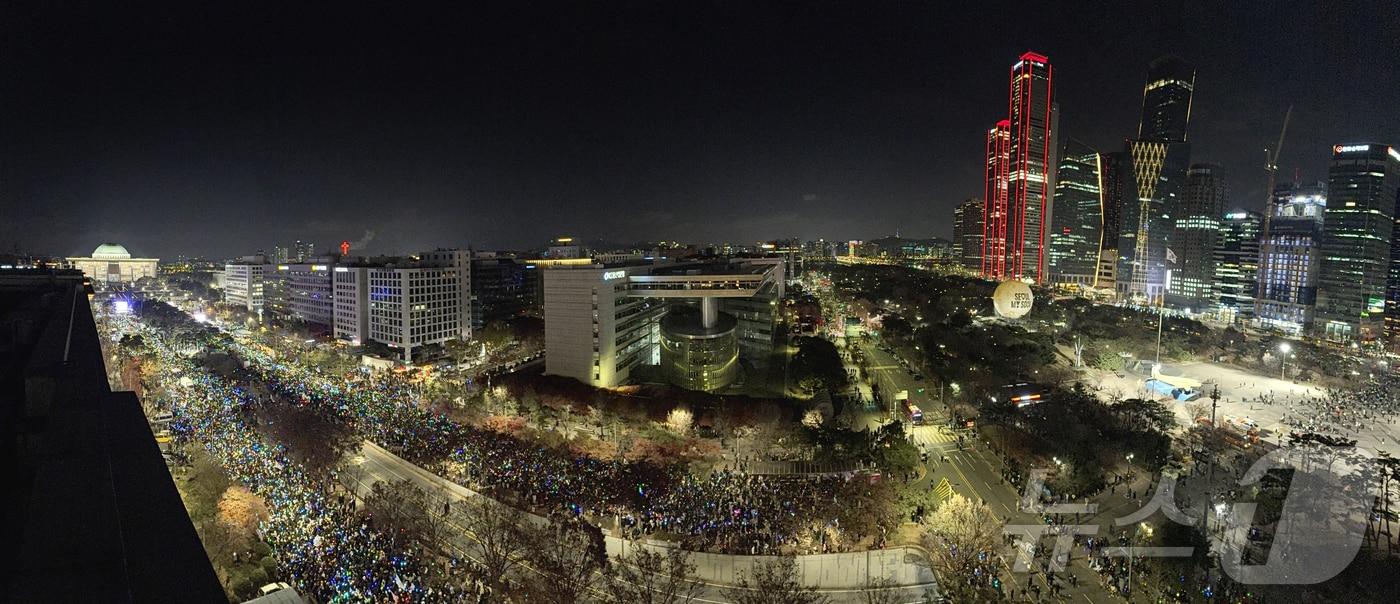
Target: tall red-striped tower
[
  {"x": 1030, "y": 166},
  {"x": 994, "y": 210}
]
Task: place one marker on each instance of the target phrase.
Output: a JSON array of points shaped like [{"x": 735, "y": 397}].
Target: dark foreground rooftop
[{"x": 91, "y": 514}]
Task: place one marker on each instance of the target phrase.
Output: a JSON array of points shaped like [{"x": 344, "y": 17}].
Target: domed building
[{"x": 111, "y": 263}]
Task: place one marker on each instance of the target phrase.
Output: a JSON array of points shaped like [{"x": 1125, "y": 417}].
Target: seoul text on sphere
[{"x": 1013, "y": 299}]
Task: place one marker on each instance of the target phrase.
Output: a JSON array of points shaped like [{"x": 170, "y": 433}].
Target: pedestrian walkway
[
  {"x": 785, "y": 468},
  {"x": 931, "y": 435}
]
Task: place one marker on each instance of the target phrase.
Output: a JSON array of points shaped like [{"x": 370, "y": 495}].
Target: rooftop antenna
[{"x": 1271, "y": 166}]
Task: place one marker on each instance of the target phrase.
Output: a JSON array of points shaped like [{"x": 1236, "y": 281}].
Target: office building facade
[
  {"x": 994, "y": 212},
  {"x": 603, "y": 322},
  {"x": 1111, "y": 167},
  {"x": 1154, "y": 175},
  {"x": 303, "y": 291},
  {"x": 1032, "y": 162},
  {"x": 1195, "y": 230},
  {"x": 1357, "y": 230},
  {"x": 967, "y": 233},
  {"x": 1237, "y": 264},
  {"x": 351, "y": 303},
  {"x": 1290, "y": 258},
  {"x": 243, "y": 284},
  {"x": 1076, "y": 235}
]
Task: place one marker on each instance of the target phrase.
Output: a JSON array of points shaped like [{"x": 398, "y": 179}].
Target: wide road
[
  {"x": 975, "y": 472},
  {"x": 374, "y": 464}
]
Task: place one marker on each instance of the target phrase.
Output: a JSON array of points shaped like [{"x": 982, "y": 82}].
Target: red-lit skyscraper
[
  {"x": 994, "y": 217},
  {"x": 1031, "y": 164}
]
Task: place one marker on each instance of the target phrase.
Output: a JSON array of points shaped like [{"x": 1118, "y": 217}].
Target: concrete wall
[{"x": 825, "y": 571}]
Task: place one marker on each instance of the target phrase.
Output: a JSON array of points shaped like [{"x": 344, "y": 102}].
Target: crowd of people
[
  {"x": 331, "y": 552},
  {"x": 728, "y": 512},
  {"x": 1337, "y": 412},
  {"x": 329, "y": 549}
]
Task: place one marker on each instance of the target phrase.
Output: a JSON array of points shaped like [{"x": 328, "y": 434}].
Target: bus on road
[{"x": 912, "y": 413}]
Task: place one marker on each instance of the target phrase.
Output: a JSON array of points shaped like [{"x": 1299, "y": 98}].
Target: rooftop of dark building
[{"x": 92, "y": 513}]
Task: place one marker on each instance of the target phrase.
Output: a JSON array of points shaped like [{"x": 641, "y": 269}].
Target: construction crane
[{"x": 1271, "y": 166}]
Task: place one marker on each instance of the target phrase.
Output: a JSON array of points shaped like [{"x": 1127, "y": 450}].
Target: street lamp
[{"x": 1283, "y": 349}]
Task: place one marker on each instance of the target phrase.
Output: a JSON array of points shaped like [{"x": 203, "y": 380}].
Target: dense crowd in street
[
  {"x": 727, "y": 512},
  {"x": 330, "y": 551}
]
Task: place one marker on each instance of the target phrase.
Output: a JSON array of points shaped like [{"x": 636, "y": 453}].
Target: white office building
[
  {"x": 351, "y": 303},
  {"x": 691, "y": 319},
  {"x": 243, "y": 283},
  {"x": 407, "y": 305}
]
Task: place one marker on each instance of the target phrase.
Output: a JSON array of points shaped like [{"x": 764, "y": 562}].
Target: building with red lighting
[
  {"x": 994, "y": 211},
  {"x": 1020, "y": 168}
]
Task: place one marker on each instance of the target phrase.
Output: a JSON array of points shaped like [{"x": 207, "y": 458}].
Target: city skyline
[{"x": 854, "y": 123}]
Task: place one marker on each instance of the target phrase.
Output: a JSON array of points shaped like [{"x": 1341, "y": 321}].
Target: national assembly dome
[
  {"x": 112, "y": 263},
  {"x": 111, "y": 251}
]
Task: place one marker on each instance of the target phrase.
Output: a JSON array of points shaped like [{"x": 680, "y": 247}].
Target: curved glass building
[{"x": 696, "y": 357}]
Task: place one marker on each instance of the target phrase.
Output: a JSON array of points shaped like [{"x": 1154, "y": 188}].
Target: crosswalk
[{"x": 931, "y": 436}]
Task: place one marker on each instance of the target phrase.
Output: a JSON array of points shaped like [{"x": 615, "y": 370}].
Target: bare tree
[
  {"x": 773, "y": 582},
  {"x": 401, "y": 510},
  {"x": 501, "y": 533},
  {"x": 646, "y": 577},
  {"x": 960, "y": 539},
  {"x": 571, "y": 557},
  {"x": 317, "y": 441}
]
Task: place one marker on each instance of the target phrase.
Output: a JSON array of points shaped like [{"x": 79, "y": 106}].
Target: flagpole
[{"x": 1161, "y": 304}]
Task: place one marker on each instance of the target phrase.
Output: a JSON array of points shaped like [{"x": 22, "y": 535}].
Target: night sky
[{"x": 219, "y": 131}]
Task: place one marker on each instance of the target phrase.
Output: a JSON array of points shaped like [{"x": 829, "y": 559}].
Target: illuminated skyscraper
[
  {"x": 1357, "y": 230},
  {"x": 1166, "y": 100},
  {"x": 1196, "y": 228},
  {"x": 1155, "y": 165},
  {"x": 1076, "y": 232},
  {"x": 1236, "y": 263},
  {"x": 1290, "y": 257},
  {"x": 994, "y": 220},
  {"x": 967, "y": 233},
  {"x": 1029, "y": 176},
  {"x": 1115, "y": 186}
]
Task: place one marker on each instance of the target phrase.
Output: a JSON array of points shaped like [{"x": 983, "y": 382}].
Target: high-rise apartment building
[
  {"x": 1237, "y": 264},
  {"x": 1290, "y": 258},
  {"x": 967, "y": 233},
  {"x": 994, "y": 211},
  {"x": 1155, "y": 166},
  {"x": 1197, "y": 224},
  {"x": 1076, "y": 233},
  {"x": 1032, "y": 163},
  {"x": 1357, "y": 232}
]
